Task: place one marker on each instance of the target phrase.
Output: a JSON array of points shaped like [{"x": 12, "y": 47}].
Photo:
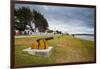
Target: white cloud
[{"x": 69, "y": 27}]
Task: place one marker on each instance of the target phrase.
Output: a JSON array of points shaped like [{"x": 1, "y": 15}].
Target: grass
[{"x": 66, "y": 49}]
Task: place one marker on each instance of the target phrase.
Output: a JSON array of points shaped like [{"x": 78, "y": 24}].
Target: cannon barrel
[{"x": 48, "y": 38}]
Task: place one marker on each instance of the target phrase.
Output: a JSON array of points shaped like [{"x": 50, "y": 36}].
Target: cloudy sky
[{"x": 66, "y": 19}]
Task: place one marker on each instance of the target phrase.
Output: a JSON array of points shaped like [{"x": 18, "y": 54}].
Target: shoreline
[{"x": 90, "y": 38}]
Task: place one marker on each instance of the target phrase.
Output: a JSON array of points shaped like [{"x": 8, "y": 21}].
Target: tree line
[{"x": 25, "y": 16}]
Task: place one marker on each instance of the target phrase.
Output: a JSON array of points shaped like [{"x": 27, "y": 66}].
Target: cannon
[{"x": 41, "y": 43}]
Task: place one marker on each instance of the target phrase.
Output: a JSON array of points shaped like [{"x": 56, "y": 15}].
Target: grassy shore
[{"x": 66, "y": 49}]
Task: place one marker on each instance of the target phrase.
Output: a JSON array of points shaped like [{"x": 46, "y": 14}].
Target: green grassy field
[{"x": 66, "y": 49}]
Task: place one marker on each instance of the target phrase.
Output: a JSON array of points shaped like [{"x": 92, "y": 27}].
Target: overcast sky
[{"x": 66, "y": 19}]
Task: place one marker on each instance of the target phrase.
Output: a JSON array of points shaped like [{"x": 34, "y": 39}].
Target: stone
[{"x": 39, "y": 52}]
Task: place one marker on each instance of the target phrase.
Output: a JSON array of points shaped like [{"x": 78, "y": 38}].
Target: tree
[
  {"x": 23, "y": 16},
  {"x": 59, "y": 32},
  {"x": 40, "y": 22},
  {"x": 50, "y": 31}
]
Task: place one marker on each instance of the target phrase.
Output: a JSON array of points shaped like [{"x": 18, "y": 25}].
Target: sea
[{"x": 86, "y": 37}]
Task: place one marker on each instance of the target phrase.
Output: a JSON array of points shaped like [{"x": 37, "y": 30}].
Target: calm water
[{"x": 86, "y": 37}]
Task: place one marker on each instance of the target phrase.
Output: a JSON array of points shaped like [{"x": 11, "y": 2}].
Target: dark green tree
[
  {"x": 23, "y": 16},
  {"x": 40, "y": 22}
]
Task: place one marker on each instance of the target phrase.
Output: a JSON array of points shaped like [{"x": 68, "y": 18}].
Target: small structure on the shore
[{"x": 40, "y": 47}]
